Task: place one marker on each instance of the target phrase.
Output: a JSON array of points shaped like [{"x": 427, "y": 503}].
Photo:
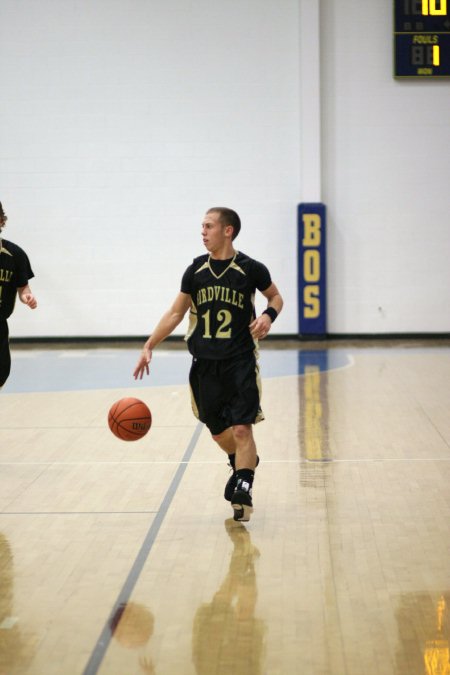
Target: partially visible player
[
  {"x": 15, "y": 272},
  {"x": 219, "y": 290}
]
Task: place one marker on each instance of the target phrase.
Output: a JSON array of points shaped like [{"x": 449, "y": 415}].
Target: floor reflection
[
  {"x": 16, "y": 649},
  {"x": 424, "y": 634},
  {"x": 132, "y": 626},
  {"x": 313, "y": 411},
  {"x": 227, "y": 636},
  {"x": 436, "y": 653}
]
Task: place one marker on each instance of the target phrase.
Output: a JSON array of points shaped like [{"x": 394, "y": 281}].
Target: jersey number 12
[{"x": 223, "y": 319}]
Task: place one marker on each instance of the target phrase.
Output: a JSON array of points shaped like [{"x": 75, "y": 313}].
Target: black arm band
[{"x": 270, "y": 311}]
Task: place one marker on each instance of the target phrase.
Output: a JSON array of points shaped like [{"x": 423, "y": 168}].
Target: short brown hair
[{"x": 228, "y": 217}]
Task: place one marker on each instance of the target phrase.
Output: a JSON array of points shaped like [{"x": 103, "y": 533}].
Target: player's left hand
[
  {"x": 260, "y": 327},
  {"x": 29, "y": 299}
]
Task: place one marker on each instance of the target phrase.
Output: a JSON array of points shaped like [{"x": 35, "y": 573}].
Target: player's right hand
[{"x": 142, "y": 365}]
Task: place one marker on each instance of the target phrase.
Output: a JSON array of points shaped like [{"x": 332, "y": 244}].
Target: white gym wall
[{"x": 122, "y": 121}]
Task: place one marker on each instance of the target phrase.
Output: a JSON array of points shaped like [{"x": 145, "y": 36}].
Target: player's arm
[
  {"x": 26, "y": 296},
  {"x": 260, "y": 327},
  {"x": 166, "y": 325}
]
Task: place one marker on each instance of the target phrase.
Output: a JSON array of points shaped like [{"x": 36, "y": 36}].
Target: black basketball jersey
[
  {"x": 15, "y": 271},
  {"x": 222, "y": 304}
]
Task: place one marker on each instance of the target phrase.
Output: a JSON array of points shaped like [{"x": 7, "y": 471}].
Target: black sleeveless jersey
[
  {"x": 15, "y": 271},
  {"x": 222, "y": 304}
]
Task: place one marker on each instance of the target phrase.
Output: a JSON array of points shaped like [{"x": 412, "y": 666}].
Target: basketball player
[
  {"x": 15, "y": 271},
  {"x": 219, "y": 290}
]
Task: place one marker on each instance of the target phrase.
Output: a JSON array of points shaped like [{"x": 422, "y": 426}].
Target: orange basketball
[{"x": 129, "y": 419}]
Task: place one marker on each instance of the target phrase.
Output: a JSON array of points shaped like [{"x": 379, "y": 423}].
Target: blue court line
[{"x": 103, "y": 641}]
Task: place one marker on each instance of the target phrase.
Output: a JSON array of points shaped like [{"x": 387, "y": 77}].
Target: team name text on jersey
[
  {"x": 221, "y": 293},
  {"x": 5, "y": 275}
]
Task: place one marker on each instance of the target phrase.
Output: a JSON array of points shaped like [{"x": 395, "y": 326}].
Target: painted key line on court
[{"x": 82, "y": 369}]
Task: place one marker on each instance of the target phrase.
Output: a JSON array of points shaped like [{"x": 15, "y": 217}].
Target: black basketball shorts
[
  {"x": 225, "y": 393},
  {"x": 5, "y": 355}
]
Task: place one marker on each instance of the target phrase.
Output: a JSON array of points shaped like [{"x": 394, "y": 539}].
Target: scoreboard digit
[{"x": 421, "y": 38}]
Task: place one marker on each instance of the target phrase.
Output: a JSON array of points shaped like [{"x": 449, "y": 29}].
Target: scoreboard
[{"x": 421, "y": 38}]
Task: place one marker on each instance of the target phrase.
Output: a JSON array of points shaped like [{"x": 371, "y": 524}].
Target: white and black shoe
[
  {"x": 241, "y": 500},
  {"x": 230, "y": 487}
]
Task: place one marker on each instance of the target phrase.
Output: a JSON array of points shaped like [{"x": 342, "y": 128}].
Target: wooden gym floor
[{"x": 122, "y": 558}]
